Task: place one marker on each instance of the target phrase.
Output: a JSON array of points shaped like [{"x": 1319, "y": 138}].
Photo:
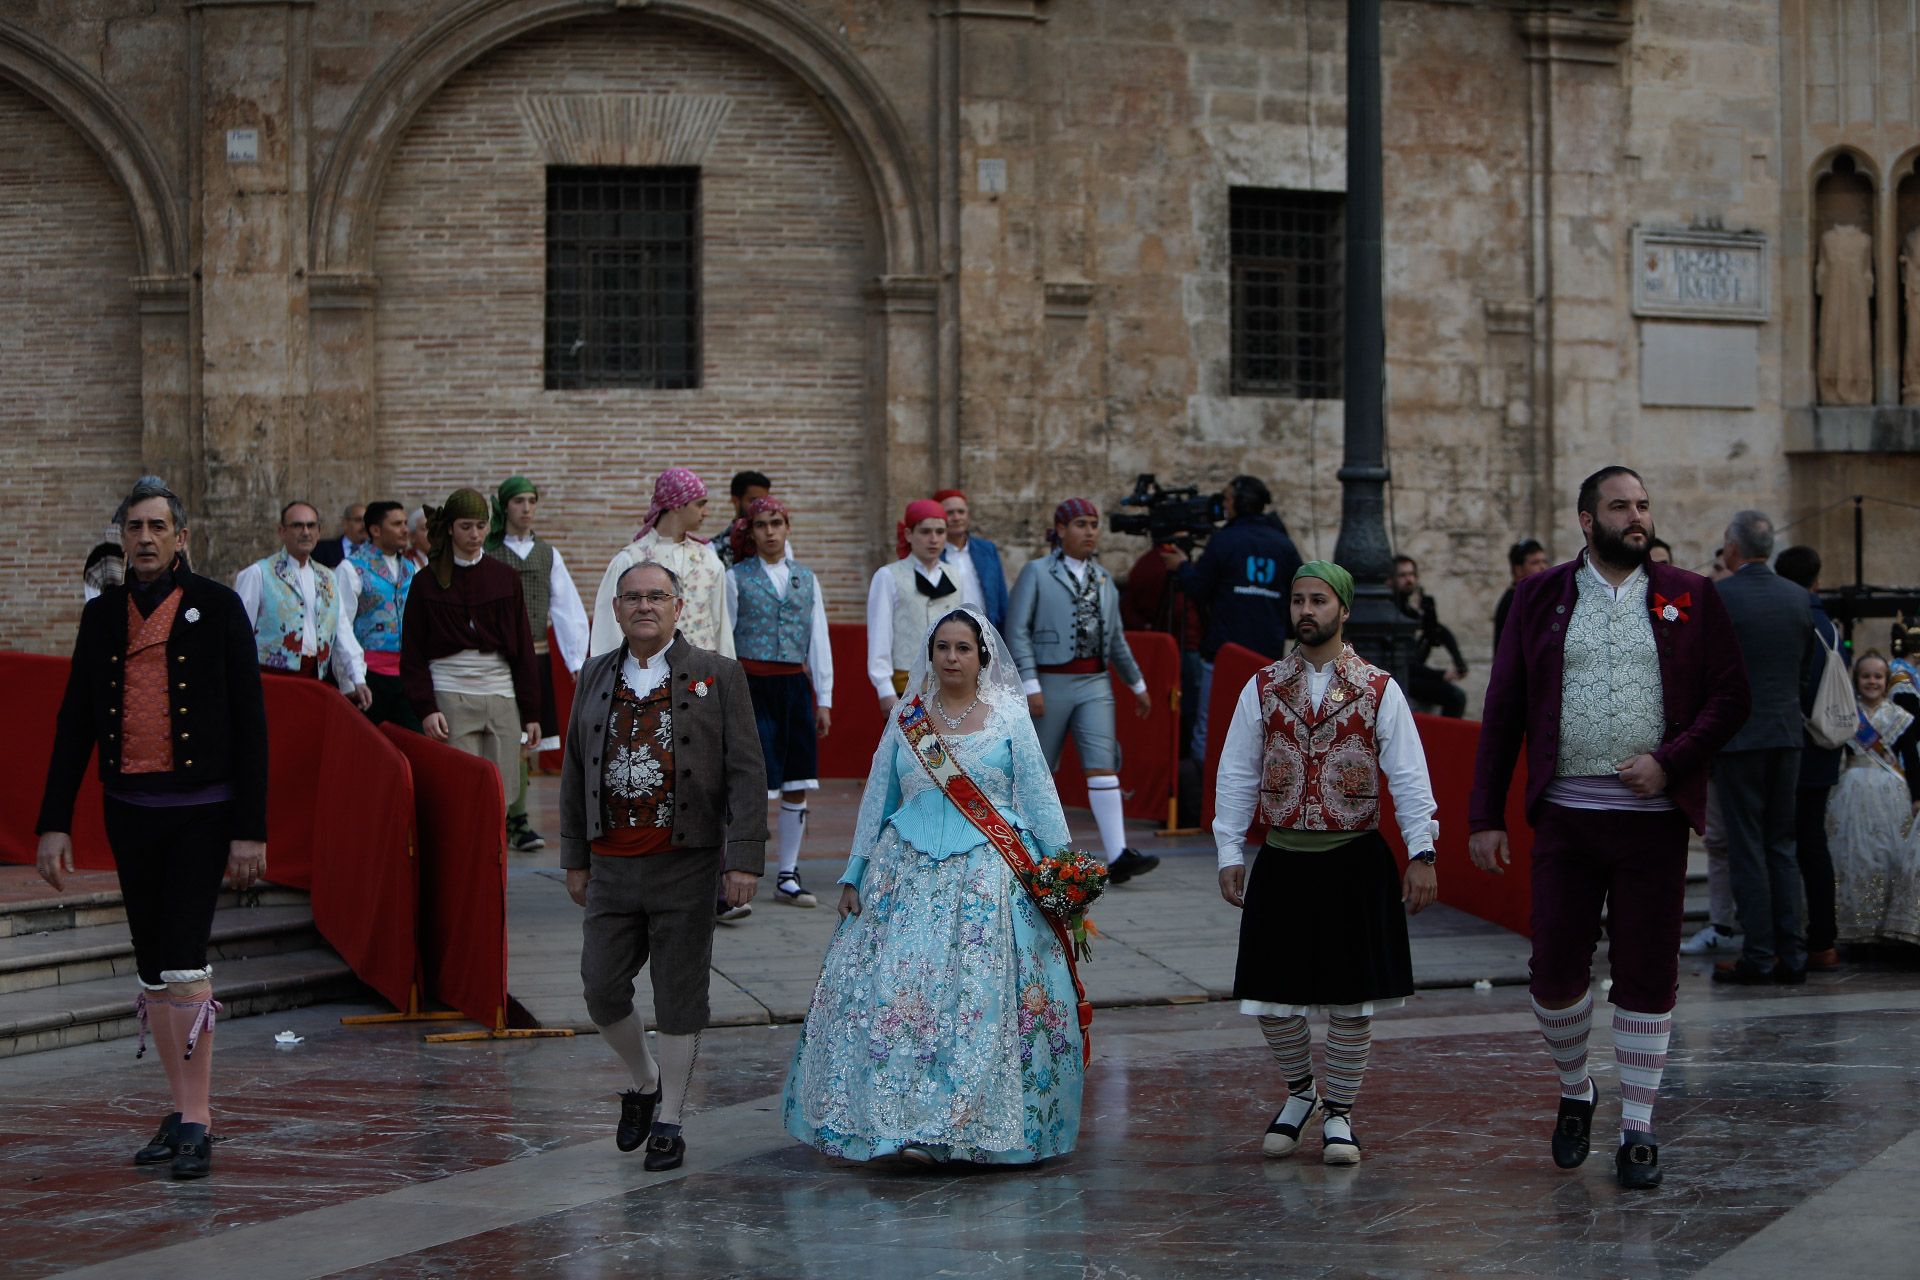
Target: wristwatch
[{"x": 1428, "y": 856}]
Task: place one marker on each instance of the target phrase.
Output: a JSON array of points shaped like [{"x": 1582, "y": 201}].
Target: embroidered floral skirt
[
  {"x": 943, "y": 1018},
  {"x": 1876, "y": 870}
]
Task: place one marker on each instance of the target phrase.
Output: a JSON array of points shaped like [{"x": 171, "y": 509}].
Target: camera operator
[{"x": 1242, "y": 581}]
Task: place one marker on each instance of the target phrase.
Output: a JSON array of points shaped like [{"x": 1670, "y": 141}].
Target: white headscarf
[{"x": 1000, "y": 684}]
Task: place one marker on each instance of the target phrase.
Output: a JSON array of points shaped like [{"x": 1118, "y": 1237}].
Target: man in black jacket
[
  {"x": 1242, "y": 582},
  {"x": 1427, "y": 684},
  {"x": 165, "y": 688}
]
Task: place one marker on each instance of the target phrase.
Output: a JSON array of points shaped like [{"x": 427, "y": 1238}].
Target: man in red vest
[{"x": 1309, "y": 739}]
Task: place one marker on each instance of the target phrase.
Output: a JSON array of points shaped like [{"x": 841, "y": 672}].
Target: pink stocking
[
  {"x": 192, "y": 1018},
  {"x": 168, "y": 1046}
]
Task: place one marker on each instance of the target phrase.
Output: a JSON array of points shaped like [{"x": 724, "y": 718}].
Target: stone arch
[
  {"x": 91, "y": 109},
  {"x": 347, "y": 195}
]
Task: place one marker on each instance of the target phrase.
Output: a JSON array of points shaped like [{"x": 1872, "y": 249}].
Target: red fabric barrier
[
  {"x": 1450, "y": 746},
  {"x": 563, "y": 684},
  {"x": 1149, "y": 748},
  {"x": 1146, "y": 746},
  {"x": 461, "y": 818},
  {"x": 339, "y": 812}
]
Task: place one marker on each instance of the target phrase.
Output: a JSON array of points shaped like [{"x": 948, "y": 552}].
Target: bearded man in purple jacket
[{"x": 1624, "y": 679}]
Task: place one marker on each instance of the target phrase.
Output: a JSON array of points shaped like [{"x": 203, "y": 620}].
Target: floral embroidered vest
[
  {"x": 276, "y": 632},
  {"x": 376, "y": 624},
  {"x": 768, "y": 628},
  {"x": 1320, "y": 770},
  {"x": 146, "y": 725}
]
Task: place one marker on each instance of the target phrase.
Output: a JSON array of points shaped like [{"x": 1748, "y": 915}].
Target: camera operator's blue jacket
[{"x": 1244, "y": 581}]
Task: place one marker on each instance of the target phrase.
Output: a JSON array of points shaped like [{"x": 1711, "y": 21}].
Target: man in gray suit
[{"x": 1758, "y": 772}]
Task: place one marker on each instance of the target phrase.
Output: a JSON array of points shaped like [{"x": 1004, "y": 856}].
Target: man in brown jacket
[{"x": 662, "y": 792}]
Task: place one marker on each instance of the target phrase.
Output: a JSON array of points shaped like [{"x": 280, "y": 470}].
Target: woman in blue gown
[{"x": 943, "y": 1026}]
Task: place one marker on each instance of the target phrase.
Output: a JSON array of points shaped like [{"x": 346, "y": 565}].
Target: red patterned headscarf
[
  {"x": 944, "y": 494},
  {"x": 740, "y": 539},
  {"x": 1066, "y": 513},
  {"x": 675, "y": 488},
  {"x": 917, "y": 510}
]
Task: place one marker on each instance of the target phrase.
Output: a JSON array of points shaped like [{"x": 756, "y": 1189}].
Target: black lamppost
[{"x": 1378, "y": 630}]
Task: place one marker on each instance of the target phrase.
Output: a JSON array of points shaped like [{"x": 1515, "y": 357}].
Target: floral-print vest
[
  {"x": 1320, "y": 770},
  {"x": 376, "y": 622},
  {"x": 146, "y": 726},
  {"x": 636, "y": 773},
  {"x": 276, "y": 632},
  {"x": 1611, "y": 707}
]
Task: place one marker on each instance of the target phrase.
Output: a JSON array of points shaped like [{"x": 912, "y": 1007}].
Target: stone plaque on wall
[{"x": 1700, "y": 275}]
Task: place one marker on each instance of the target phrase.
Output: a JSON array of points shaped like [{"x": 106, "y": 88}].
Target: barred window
[
  {"x": 1288, "y": 282},
  {"x": 623, "y": 278}
]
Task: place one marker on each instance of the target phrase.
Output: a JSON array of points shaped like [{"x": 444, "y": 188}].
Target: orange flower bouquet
[{"x": 1064, "y": 885}]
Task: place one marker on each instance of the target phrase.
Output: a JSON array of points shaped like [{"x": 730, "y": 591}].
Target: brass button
[
  {"x": 184, "y": 735},
  {"x": 181, "y": 710},
  {"x": 111, "y": 735},
  {"x": 182, "y": 684},
  {"x": 189, "y": 764},
  {"x": 113, "y": 657},
  {"x": 113, "y": 711},
  {"x": 181, "y": 658}
]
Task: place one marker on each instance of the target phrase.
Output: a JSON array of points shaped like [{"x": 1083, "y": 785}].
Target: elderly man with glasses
[{"x": 661, "y": 794}]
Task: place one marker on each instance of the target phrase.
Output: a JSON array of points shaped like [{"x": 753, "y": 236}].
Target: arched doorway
[
  {"x": 785, "y": 244},
  {"x": 70, "y": 352}
]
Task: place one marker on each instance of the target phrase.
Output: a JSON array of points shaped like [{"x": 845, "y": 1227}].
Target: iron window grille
[
  {"x": 1287, "y": 255},
  {"x": 623, "y": 278}
]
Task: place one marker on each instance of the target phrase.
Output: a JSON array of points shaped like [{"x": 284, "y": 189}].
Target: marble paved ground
[{"x": 1791, "y": 1131}]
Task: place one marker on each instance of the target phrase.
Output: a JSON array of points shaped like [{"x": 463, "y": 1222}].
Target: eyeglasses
[{"x": 634, "y": 599}]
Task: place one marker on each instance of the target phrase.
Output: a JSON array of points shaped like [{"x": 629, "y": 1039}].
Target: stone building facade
[{"x": 275, "y": 248}]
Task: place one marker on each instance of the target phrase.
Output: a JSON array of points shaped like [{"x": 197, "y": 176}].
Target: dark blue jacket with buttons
[{"x": 1244, "y": 583}]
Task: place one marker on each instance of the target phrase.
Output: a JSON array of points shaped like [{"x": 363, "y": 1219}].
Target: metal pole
[{"x": 1378, "y": 630}]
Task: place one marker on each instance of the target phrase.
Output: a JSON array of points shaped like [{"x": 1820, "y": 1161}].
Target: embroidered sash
[
  {"x": 965, "y": 794},
  {"x": 1877, "y": 743}
]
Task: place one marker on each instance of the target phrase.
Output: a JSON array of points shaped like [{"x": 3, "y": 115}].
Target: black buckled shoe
[
  {"x": 1573, "y": 1129},
  {"x": 164, "y": 1143},
  {"x": 193, "y": 1152},
  {"x": 636, "y": 1118},
  {"x": 1637, "y": 1165},
  {"x": 1129, "y": 864},
  {"x": 665, "y": 1153}
]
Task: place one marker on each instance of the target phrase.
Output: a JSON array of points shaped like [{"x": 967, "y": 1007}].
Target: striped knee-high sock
[
  {"x": 1640, "y": 1049},
  {"x": 1566, "y": 1031},
  {"x": 1348, "y": 1041},
  {"x": 1292, "y": 1046}
]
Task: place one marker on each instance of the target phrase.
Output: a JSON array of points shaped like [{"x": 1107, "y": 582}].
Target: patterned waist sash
[{"x": 965, "y": 794}]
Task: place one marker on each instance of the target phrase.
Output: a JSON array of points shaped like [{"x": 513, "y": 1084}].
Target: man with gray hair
[
  {"x": 662, "y": 793},
  {"x": 1757, "y": 773}
]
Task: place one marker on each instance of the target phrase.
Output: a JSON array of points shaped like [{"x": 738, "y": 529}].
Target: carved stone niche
[{"x": 1843, "y": 282}]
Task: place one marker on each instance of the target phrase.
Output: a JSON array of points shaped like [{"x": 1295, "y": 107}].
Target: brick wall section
[
  {"x": 460, "y": 255},
  {"x": 69, "y": 366}
]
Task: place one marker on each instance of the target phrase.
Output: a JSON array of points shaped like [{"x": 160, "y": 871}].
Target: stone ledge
[{"x": 1854, "y": 429}]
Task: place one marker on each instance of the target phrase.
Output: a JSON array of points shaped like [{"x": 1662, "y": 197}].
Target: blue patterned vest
[
  {"x": 376, "y": 625},
  {"x": 769, "y": 629},
  {"x": 276, "y": 633}
]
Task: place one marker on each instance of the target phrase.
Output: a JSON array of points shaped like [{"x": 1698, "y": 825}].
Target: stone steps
[{"x": 67, "y": 971}]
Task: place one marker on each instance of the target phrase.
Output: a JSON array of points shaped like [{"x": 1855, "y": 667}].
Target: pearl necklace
[{"x": 954, "y": 722}]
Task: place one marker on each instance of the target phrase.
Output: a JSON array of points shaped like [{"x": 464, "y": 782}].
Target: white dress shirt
[
  {"x": 1613, "y": 592},
  {"x": 959, "y": 562},
  {"x": 1237, "y": 782},
  {"x": 819, "y": 646},
  {"x": 564, "y": 609},
  {"x": 347, "y": 664},
  {"x": 882, "y": 595},
  {"x": 644, "y": 680}
]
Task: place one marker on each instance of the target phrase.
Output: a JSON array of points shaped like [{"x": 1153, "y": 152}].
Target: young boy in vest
[
  {"x": 551, "y": 598},
  {"x": 780, "y": 636},
  {"x": 1310, "y": 737},
  {"x": 907, "y": 595}
]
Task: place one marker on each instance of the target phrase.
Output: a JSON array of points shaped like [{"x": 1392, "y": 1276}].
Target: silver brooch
[
  {"x": 193, "y": 615},
  {"x": 700, "y": 690},
  {"x": 1669, "y": 613}
]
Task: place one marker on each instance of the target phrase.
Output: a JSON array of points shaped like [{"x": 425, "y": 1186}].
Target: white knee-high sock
[
  {"x": 1109, "y": 814},
  {"x": 677, "y": 1057},
  {"x": 793, "y": 827},
  {"x": 1640, "y": 1050},
  {"x": 1566, "y": 1031},
  {"x": 628, "y": 1038}
]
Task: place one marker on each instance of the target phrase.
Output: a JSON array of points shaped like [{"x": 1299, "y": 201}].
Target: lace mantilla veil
[{"x": 1035, "y": 801}]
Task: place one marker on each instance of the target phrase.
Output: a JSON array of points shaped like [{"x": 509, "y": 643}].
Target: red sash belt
[
  {"x": 941, "y": 765},
  {"x": 1078, "y": 667},
  {"x": 753, "y": 668}
]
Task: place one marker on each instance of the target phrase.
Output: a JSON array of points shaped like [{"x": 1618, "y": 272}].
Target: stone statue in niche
[
  {"x": 1910, "y": 299},
  {"x": 1843, "y": 277}
]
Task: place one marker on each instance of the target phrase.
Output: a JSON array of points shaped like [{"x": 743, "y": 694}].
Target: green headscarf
[
  {"x": 462, "y": 504},
  {"x": 510, "y": 488},
  {"x": 1330, "y": 573}
]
